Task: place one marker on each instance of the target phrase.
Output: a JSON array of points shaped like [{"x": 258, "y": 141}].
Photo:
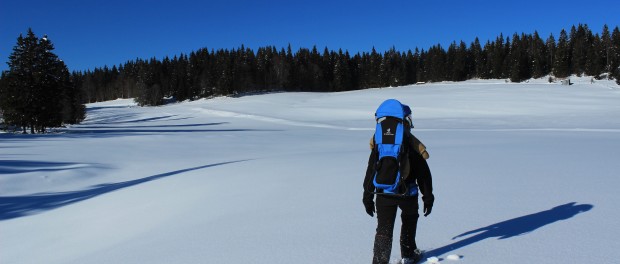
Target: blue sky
[{"x": 89, "y": 34}]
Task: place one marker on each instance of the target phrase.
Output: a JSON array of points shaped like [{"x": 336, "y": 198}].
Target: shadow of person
[{"x": 514, "y": 227}]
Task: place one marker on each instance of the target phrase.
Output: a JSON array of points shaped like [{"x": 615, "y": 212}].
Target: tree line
[
  {"x": 38, "y": 91},
  {"x": 205, "y": 73}
]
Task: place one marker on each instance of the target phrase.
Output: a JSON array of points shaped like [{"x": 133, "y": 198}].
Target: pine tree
[
  {"x": 392, "y": 68},
  {"x": 355, "y": 70},
  {"x": 497, "y": 57},
  {"x": 375, "y": 69},
  {"x": 561, "y": 65},
  {"x": 581, "y": 47},
  {"x": 73, "y": 111},
  {"x": 518, "y": 60},
  {"x": 594, "y": 54},
  {"x": 327, "y": 65},
  {"x": 316, "y": 72},
  {"x": 421, "y": 75},
  {"x": 289, "y": 61},
  {"x": 614, "y": 51},
  {"x": 606, "y": 46},
  {"x": 435, "y": 64},
  {"x": 3, "y": 86},
  {"x": 19, "y": 91},
  {"x": 35, "y": 87},
  {"x": 411, "y": 66},
  {"x": 48, "y": 96},
  {"x": 478, "y": 59},
  {"x": 196, "y": 64},
  {"x": 551, "y": 50},
  {"x": 282, "y": 70},
  {"x": 450, "y": 73},
  {"x": 460, "y": 65},
  {"x": 538, "y": 54},
  {"x": 342, "y": 75},
  {"x": 506, "y": 65},
  {"x": 487, "y": 68},
  {"x": 179, "y": 78}
]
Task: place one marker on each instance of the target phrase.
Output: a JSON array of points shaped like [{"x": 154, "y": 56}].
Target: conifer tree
[
  {"x": 606, "y": 46},
  {"x": 421, "y": 75},
  {"x": 614, "y": 51},
  {"x": 182, "y": 77},
  {"x": 411, "y": 65},
  {"x": 449, "y": 73},
  {"x": 375, "y": 68},
  {"x": 289, "y": 61},
  {"x": 48, "y": 91},
  {"x": 478, "y": 59},
  {"x": 561, "y": 65},
  {"x": 20, "y": 85},
  {"x": 506, "y": 68},
  {"x": 578, "y": 48},
  {"x": 460, "y": 64},
  {"x": 195, "y": 67},
  {"x": 497, "y": 56},
  {"x": 315, "y": 68},
  {"x": 519, "y": 70},
  {"x": 327, "y": 65},
  {"x": 73, "y": 111},
  {"x": 36, "y": 89},
  {"x": 435, "y": 64},
  {"x": 487, "y": 68},
  {"x": 594, "y": 55},
  {"x": 551, "y": 50},
  {"x": 342, "y": 75},
  {"x": 538, "y": 54}
]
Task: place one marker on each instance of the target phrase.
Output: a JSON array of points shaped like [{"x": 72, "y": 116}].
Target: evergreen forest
[
  {"x": 39, "y": 91},
  {"x": 205, "y": 73}
]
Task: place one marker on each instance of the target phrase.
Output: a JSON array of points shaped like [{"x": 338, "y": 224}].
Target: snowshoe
[{"x": 417, "y": 256}]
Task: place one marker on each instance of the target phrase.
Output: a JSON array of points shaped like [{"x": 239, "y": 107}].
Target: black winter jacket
[{"x": 419, "y": 172}]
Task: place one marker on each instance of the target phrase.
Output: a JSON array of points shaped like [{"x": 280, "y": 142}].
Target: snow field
[{"x": 522, "y": 173}]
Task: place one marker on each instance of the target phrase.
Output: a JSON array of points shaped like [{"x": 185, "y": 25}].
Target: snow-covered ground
[{"x": 523, "y": 173}]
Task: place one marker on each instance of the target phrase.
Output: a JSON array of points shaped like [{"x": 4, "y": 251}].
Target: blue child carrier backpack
[{"x": 391, "y": 145}]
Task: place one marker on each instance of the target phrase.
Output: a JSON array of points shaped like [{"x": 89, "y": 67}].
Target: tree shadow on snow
[
  {"x": 128, "y": 132},
  {"x": 143, "y": 120},
  {"x": 158, "y": 126},
  {"x": 112, "y": 131},
  {"x": 20, "y": 206},
  {"x": 514, "y": 227},
  {"x": 25, "y": 166}
]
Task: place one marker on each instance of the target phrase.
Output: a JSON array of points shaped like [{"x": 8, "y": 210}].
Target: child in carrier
[{"x": 396, "y": 170}]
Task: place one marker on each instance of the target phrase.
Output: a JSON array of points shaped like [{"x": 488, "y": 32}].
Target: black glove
[
  {"x": 428, "y": 204},
  {"x": 370, "y": 207}
]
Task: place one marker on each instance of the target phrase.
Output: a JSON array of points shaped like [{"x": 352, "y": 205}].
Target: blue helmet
[{"x": 390, "y": 107}]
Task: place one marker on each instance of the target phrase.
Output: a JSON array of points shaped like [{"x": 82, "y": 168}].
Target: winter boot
[{"x": 417, "y": 256}]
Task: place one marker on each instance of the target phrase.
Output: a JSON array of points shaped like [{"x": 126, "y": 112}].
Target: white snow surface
[{"x": 522, "y": 173}]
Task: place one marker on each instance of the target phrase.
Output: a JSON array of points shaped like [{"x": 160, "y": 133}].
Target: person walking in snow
[{"x": 386, "y": 205}]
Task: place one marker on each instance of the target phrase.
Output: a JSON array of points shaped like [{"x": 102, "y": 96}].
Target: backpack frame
[{"x": 391, "y": 146}]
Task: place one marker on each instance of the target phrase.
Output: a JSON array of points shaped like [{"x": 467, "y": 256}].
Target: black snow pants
[{"x": 386, "y": 216}]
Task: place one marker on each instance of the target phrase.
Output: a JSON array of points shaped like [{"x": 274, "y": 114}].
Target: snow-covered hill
[{"x": 522, "y": 173}]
